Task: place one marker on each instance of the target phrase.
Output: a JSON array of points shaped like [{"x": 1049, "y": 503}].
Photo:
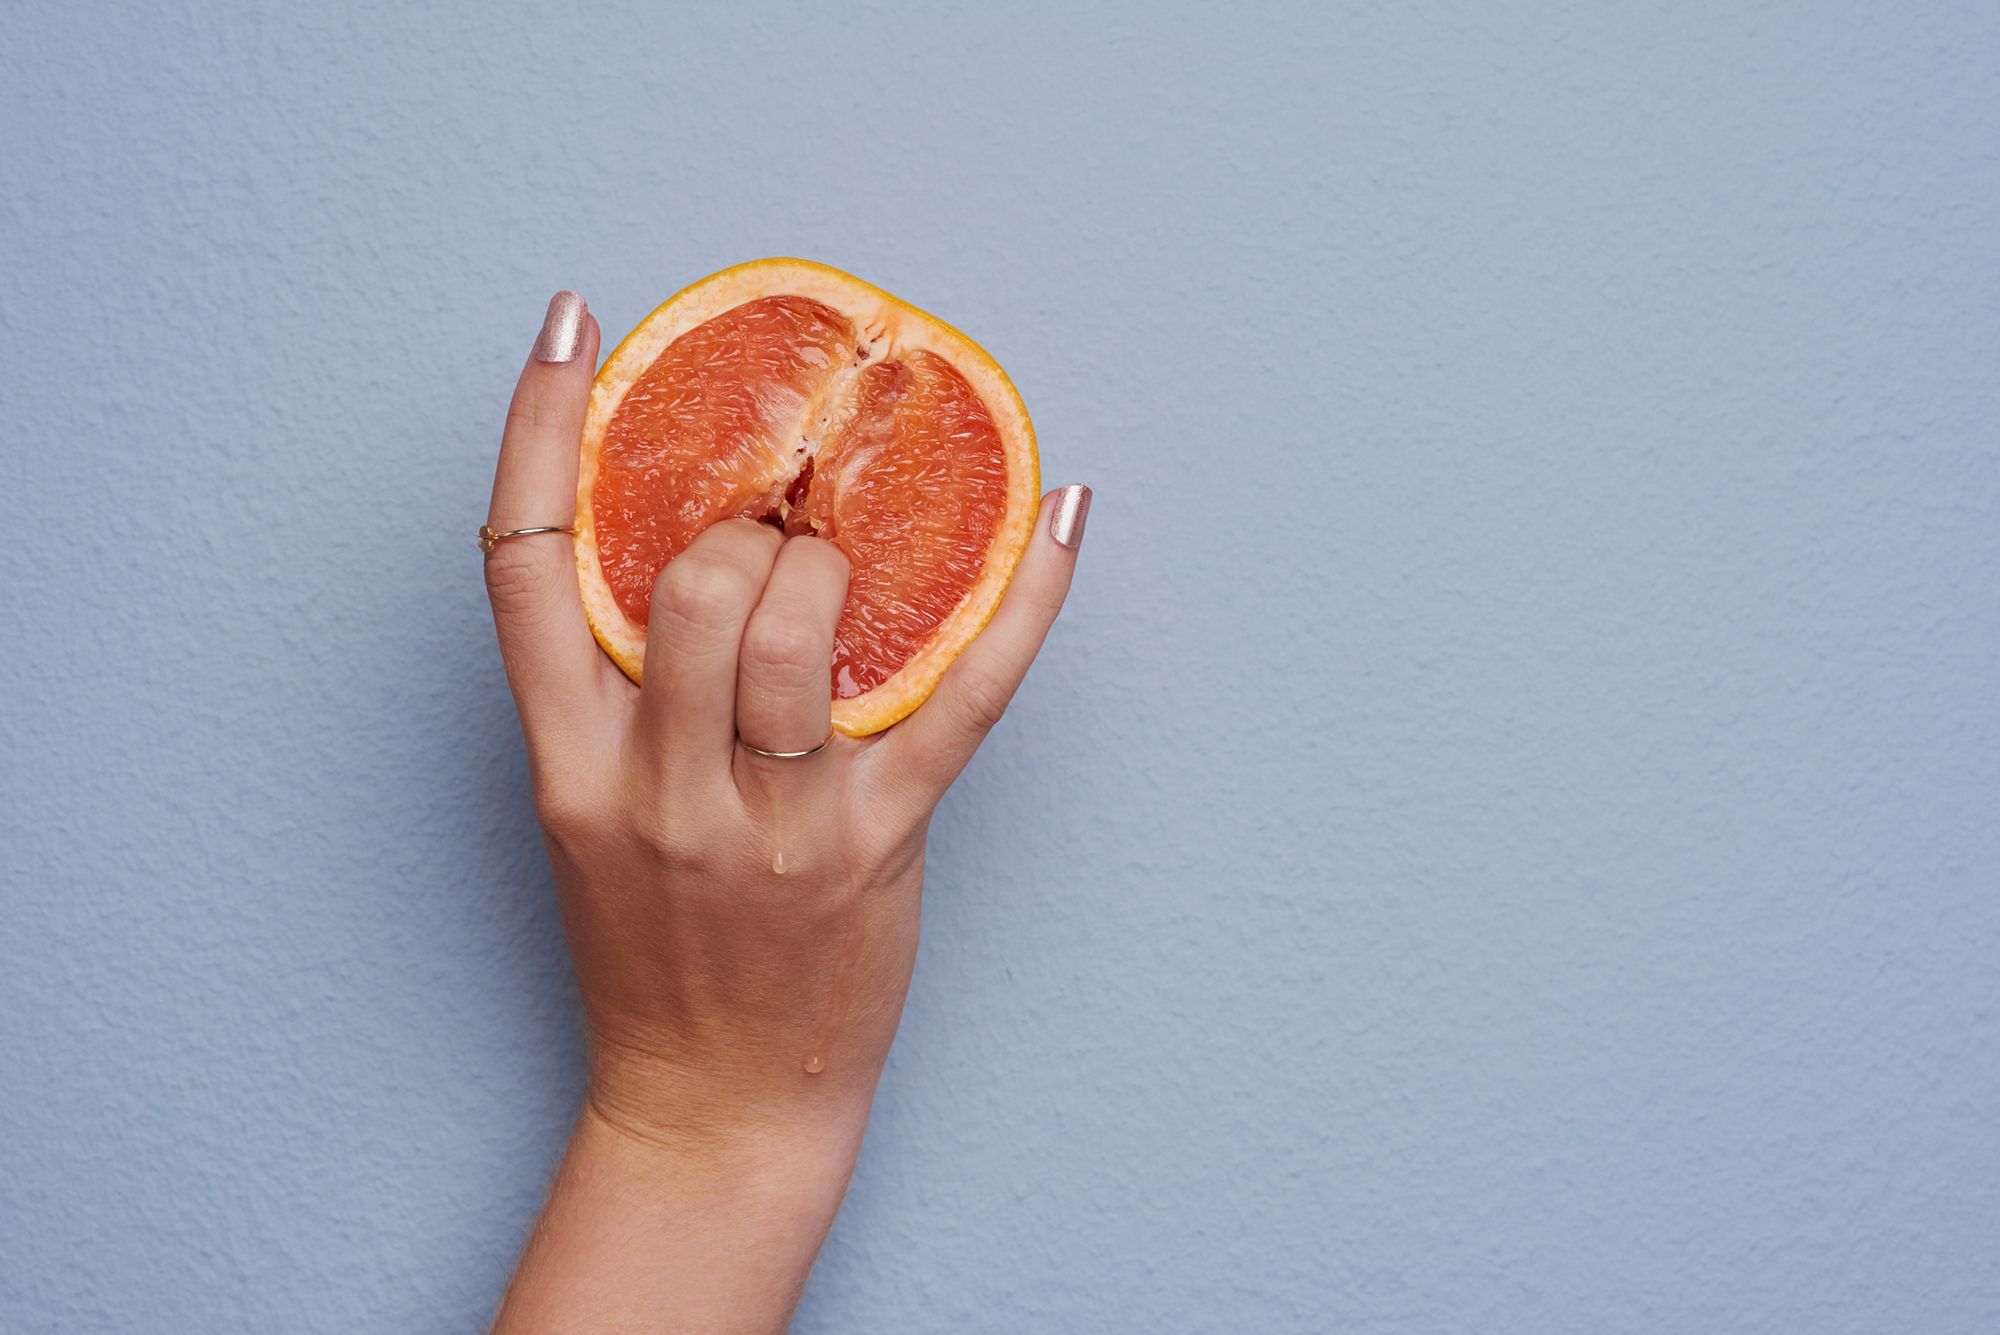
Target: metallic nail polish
[
  {"x": 562, "y": 329},
  {"x": 1071, "y": 509}
]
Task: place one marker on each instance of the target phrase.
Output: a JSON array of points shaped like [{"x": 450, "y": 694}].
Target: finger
[
  {"x": 701, "y": 602},
  {"x": 929, "y": 748},
  {"x": 784, "y": 681},
  {"x": 552, "y": 661}
]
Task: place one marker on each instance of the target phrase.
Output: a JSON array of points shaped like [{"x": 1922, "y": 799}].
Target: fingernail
[
  {"x": 562, "y": 329},
  {"x": 1072, "y": 508}
]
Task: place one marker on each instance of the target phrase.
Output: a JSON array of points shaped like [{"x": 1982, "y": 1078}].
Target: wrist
[
  {"x": 753, "y": 1116},
  {"x": 797, "y": 1179}
]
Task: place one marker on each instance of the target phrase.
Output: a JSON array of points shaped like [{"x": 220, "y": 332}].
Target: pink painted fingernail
[
  {"x": 1071, "y": 509},
  {"x": 562, "y": 329}
]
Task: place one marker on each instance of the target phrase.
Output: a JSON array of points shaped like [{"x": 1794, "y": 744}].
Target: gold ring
[
  {"x": 785, "y": 755},
  {"x": 488, "y": 539}
]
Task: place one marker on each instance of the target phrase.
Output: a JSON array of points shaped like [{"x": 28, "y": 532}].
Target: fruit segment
[
  {"x": 709, "y": 431},
  {"x": 912, "y": 487}
]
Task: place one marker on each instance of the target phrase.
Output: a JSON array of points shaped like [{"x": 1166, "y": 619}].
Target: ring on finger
[
  {"x": 785, "y": 755},
  {"x": 489, "y": 537}
]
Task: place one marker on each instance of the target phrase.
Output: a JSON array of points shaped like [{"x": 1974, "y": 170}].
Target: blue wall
[{"x": 1503, "y": 839}]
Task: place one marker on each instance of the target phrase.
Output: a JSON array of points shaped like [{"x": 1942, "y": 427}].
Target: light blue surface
[{"x": 1504, "y": 838}]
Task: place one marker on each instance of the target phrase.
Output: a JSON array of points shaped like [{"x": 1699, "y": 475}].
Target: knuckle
[
  {"x": 890, "y": 850},
  {"x": 700, "y": 593},
  {"x": 517, "y": 573},
  {"x": 667, "y": 839},
  {"x": 1042, "y": 598},
  {"x": 977, "y": 701},
  {"x": 784, "y": 647},
  {"x": 1047, "y": 602},
  {"x": 568, "y": 798},
  {"x": 563, "y": 812},
  {"x": 532, "y": 413}
]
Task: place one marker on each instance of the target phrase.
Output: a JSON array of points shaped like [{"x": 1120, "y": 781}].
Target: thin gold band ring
[
  {"x": 785, "y": 755},
  {"x": 489, "y": 538}
]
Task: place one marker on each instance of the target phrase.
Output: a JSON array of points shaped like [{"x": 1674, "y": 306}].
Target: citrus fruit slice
[{"x": 792, "y": 393}]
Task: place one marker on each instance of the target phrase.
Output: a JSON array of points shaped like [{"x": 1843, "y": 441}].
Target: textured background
[{"x": 1503, "y": 839}]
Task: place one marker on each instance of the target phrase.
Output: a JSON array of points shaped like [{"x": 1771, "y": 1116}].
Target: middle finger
[{"x": 784, "y": 686}]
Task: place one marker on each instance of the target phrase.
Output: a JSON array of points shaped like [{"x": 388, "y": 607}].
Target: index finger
[{"x": 552, "y": 659}]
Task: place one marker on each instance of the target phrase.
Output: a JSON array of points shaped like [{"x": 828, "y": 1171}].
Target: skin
[{"x": 707, "y": 1164}]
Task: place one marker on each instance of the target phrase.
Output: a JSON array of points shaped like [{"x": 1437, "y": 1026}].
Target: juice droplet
[
  {"x": 846, "y": 945},
  {"x": 777, "y": 832}
]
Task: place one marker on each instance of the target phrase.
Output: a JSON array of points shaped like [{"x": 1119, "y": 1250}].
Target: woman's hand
[{"x": 743, "y": 928}]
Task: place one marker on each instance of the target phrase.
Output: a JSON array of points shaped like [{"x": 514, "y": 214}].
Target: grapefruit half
[{"x": 792, "y": 393}]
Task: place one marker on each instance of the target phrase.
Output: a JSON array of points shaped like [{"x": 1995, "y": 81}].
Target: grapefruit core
[{"x": 792, "y": 393}]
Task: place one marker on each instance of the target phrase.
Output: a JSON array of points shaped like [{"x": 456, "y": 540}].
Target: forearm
[{"x": 641, "y": 1234}]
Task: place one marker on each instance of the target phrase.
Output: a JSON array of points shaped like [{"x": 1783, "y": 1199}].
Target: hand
[{"x": 742, "y": 928}]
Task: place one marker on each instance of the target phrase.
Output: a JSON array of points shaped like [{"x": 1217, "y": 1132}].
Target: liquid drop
[
  {"x": 778, "y": 862},
  {"x": 846, "y": 945}
]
